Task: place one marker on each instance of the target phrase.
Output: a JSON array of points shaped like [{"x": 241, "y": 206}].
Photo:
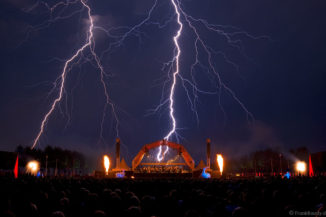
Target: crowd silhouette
[{"x": 90, "y": 197}]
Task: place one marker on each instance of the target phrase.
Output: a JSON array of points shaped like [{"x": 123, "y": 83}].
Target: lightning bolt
[
  {"x": 231, "y": 35},
  {"x": 61, "y": 7},
  {"x": 90, "y": 43},
  {"x": 176, "y": 72},
  {"x": 176, "y": 60},
  {"x": 175, "y": 75}
]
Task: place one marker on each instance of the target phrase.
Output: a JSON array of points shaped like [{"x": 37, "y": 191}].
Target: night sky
[{"x": 280, "y": 77}]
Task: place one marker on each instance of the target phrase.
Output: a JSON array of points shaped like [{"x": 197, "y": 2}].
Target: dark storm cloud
[
  {"x": 141, "y": 7},
  {"x": 281, "y": 81},
  {"x": 21, "y": 3}
]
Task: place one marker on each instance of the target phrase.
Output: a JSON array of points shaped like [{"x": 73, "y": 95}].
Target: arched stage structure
[{"x": 181, "y": 150}]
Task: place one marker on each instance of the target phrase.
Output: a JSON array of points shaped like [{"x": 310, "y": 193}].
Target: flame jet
[
  {"x": 220, "y": 162},
  {"x": 90, "y": 43},
  {"x": 106, "y": 163}
]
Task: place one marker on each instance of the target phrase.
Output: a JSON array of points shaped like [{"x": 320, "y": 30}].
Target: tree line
[{"x": 52, "y": 157}]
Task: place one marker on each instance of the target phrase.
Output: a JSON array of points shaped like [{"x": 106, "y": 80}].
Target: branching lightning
[
  {"x": 176, "y": 59},
  {"x": 74, "y": 60},
  {"x": 190, "y": 85},
  {"x": 176, "y": 74},
  {"x": 90, "y": 43}
]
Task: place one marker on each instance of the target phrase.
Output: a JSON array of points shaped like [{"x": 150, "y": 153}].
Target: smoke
[{"x": 256, "y": 137}]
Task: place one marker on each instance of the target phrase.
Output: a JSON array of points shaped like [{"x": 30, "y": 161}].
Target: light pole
[
  {"x": 56, "y": 167},
  {"x": 46, "y": 165},
  {"x": 281, "y": 163}
]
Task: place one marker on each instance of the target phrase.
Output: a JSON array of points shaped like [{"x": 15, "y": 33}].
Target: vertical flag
[
  {"x": 16, "y": 168},
  {"x": 311, "y": 171}
]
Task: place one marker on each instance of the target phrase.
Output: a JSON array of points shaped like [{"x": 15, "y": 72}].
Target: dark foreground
[{"x": 87, "y": 197}]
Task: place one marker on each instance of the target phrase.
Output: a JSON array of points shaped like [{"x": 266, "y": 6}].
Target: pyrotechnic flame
[
  {"x": 220, "y": 162},
  {"x": 32, "y": 167},
  {"x": 106, "y": 161},
  {"x": 301, "y": 167}
]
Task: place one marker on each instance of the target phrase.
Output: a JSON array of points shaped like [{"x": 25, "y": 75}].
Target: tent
[
  {"x": 201, "y": 165},
  {"x": 123, "y": 165}
]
